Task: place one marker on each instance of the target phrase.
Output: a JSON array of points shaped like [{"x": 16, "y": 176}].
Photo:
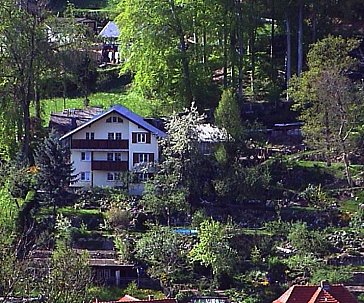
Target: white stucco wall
[
  {"x": 100, "y": 179},
  {"x": 101, "y": 129},
  {"x": 80, "y": 166}
]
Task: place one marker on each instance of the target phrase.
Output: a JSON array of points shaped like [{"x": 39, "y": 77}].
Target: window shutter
[
  {"x": 151, "y": 157},
  {"x": 133, "y": 137},
  {"x": 148, "y": 138},
  {"x": 135, "y": 158}
]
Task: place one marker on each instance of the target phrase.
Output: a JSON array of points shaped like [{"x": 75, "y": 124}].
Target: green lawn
[
  {"x": 102, "y": 99},
  {"x": 350, "y": 206},
  {"x": 336, "y": 168},
  {"x": 71, "y": 211}
]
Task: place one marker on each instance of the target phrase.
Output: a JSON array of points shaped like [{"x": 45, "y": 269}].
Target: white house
[{"x": 111, "y": 143}]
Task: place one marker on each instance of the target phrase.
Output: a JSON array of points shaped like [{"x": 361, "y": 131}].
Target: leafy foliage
[
  {"x": 213, "y": 248},
  {"x": 327, "y": 99},
  {"x": 69, "y": 276},
  {"x": 165, "y": 252},
  {"x": 307, "y": 241}
]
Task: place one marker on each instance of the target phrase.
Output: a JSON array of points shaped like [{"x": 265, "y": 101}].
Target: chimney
[{"x": 325, "y": 285}]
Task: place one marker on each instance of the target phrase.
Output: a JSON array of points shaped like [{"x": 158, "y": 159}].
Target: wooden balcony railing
[
  {"x": 110, "y": 165},
  {"x": 99, "y": 144}
]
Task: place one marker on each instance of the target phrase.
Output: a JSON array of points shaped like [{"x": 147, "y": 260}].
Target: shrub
[{"x": 118, "y": 219}]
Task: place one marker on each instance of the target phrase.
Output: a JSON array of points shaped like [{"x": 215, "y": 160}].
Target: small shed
[{"x": 110, "y": 34}]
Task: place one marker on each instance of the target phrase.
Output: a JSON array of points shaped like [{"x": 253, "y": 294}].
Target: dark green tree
[
  {"x": 327, "y": 100},
  {"x": 227, "y": 115},
  {"x": 55, "y": 170}
]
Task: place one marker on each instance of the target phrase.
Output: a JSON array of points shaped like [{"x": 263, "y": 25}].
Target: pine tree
[{"x": 55, "y": 170}]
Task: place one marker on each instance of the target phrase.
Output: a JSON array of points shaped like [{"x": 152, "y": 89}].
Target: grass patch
[
  {"x": 70, "y": 211},
  {"x": 105, "y": 100},
  {"x": 337, "y": 169},
  {"x": 256, "y": 232},
  {"x": 106, "y": 293},
  {"x": 350, "y": 206},
  {"x": 115, "y": 293}
]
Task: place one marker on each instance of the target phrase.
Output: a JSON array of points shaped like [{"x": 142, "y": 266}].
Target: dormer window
[{"x": 114, "y": 119}]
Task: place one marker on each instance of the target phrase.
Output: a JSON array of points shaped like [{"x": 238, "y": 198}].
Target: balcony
[
  {"x": 110, "y": 165},
  {"x": 99, "y": 144}
]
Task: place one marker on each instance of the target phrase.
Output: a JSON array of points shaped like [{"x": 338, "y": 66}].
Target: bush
[
  {"x": 198, "y": 217},
  {"x": 101, "y": 198},
  {"x": 118, "y": 219},
  {"x": 308, "y": 241}
]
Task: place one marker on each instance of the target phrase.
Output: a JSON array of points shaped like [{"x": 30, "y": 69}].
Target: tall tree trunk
[
  {"x": 252, "y": 61},
  {"x": 27, "y": 95},
  {"x": 241, "y": 51},
  {"x": 204, "y": 57},
  {"x": 327, "y": 138},
  {"x": 26, "y": 135},
  {"x": 64, "y": 90},
  {"x": 300, "y": 38},
  {"x": 288, "y": 52},
  {"x": 349, "y": 177},
  {"x": 233, "y": 56},
  {"x": 225, "y": 46},
  {"x": 272, "y": 34},
  {"x": 314, "y": 23},
  {"x": 37, "y": 105},
  {"x": 184, "y": 57}
]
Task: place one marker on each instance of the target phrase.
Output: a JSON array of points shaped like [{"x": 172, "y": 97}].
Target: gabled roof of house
[
  {"x": 317, "y": 294},
  {"x": 124, "y": 112},
  {"x": 111, "y": 30}
]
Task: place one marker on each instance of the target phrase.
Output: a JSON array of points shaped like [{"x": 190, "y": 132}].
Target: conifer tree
[
  {"x": 227, "y": 114},
  {"x": 55, "y": 170}
]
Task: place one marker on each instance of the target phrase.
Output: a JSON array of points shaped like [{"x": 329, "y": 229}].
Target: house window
[
  {"x": 141, "y": 138},
  {"x": 90, "y": 136},
  {"x": 142, "y": 177},
  {"x": 113, "y": 156},
  {"x": 117, "y": 157},
  {"x": 114, "y": 119},
  {"x": 110, "y": 176},
  {"x": 110, "y": 136},
  {"x": 86, "y": 156},
  {"x": 114, "y": 176},
  {"x": 143, "y": 158},
  {"x": 117, "y": 136},
  {"x": 85, "y": 176}
]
